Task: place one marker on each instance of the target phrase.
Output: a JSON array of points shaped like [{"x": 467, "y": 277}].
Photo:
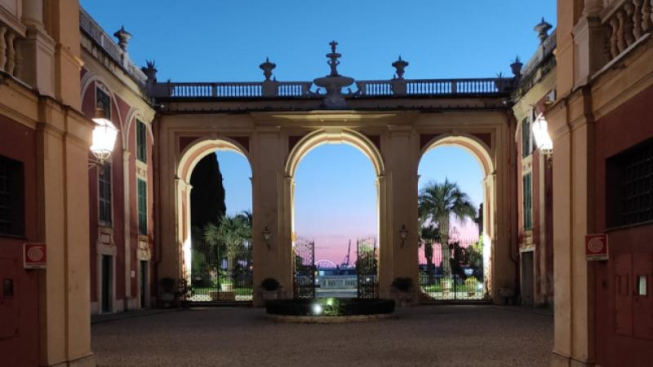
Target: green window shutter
[
  {"x": 142, "y": 207},
  {"x": 141, "y": 141},
  {"x": 528, "y": 202}
]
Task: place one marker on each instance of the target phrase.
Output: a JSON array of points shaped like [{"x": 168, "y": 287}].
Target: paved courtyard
[{"x": 421, "y": 336}]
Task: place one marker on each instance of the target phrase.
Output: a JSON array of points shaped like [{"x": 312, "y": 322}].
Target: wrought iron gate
[
  {"x": 453, "y": 272},
  {"x": 304, "y": 264},
  {"x": 367, "y": 268},
  {"x": 220, "y": 274}
]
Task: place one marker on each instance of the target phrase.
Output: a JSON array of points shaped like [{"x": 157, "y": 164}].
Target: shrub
[
  {"x": 270, "y": 284},
  {"x": 168, "y": 284},
  {"x": 470, "y": 283}
]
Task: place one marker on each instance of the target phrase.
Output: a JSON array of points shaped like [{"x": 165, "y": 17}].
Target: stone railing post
[{"x": 3, "y": 47}]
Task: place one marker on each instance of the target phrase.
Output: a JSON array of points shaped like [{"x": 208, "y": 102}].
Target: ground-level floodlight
[
  {"x": 542, "y": 137},
  {"x": 403, "y": 233},
  {"x": 267, "y": 236},
  {"x": 104, "y": 137}
]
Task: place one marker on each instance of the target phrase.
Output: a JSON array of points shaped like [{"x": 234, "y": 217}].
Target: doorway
[{"x": 107, "y": 283}]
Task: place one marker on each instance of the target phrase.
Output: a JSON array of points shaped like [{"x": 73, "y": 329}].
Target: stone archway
[
  {"x": 190, "y": 157},
  {"x": 334, "y": 136},
  {"x": 483, "y": 155}
]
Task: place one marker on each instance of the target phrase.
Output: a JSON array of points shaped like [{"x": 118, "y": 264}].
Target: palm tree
[
  {"x": 439, "y": 202},
  {"x": 429, "y": 235},
  {"x": 231, "y": 236}
]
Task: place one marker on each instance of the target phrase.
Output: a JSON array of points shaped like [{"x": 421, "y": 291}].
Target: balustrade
[
  {"x": 371, "y": 88},
  {"x": 628, "y": 21},
  {"x": 10, "y": 55}
]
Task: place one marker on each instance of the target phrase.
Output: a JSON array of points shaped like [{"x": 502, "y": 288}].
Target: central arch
[{"x": 335, "y": 136}]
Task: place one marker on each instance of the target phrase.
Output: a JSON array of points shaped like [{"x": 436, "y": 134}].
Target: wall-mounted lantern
[
  {"x": 267, "y": 236},
  {"x": 104, "y": 137},
  {"x": 403, "y": 234},
  {"x": 542, "y": 138}
]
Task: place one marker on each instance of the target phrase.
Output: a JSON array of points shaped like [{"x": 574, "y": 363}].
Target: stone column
[
  {"x": 63, "y": 142},
  {"x": 127, "y": 227},
  {"x": 33, "y": 13},
  {"x": 593, "y": 8},
  {"x": 272, "y": 207},
  {"x": 37, "y": 50},
  {"x": 572, "y": 205},
  {"x": 590, "y": 42},
  {"x": 64, "y": 30},
  {"x": 402, "y": 158}
]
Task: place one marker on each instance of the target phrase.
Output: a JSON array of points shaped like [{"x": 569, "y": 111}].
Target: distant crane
[{"x": 345, "y": 262}]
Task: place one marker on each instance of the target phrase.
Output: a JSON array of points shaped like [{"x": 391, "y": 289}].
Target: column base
[
  {"x": 88, "y": 361},
  {"x": 561, "y": 361}
]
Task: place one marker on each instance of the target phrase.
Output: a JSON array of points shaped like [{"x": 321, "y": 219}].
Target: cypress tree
[{"x": 207, "y": 196}]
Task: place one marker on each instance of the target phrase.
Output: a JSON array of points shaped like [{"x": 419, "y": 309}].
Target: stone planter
[
  {"x": 404, "y": 298},
  {"x": 226, "y": 287},
  {"x": 270, "y": 295}
]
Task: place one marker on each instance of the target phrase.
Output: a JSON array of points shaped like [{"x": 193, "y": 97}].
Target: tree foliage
[{"x": 438, "y": 204}]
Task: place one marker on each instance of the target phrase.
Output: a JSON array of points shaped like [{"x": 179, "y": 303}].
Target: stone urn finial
[
  {"x": 542, "y": 30},
  {"x": 516, "y": 67},
  {"x": 123, "y": 38},
  {"x": 400, "y": 65},
  {"x": 150, "y": 70},
  {"x": 267, "y": 68}
]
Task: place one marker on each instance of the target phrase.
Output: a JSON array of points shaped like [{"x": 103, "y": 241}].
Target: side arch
[
  {"x": 189, "y": 158},
  {"x": 200, "y": 148},
  {"x": 484, "y": 155}
]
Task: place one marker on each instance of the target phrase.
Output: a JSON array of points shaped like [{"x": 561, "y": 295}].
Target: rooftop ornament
[
  {"x": 542, "y": 30},
  {"x": 334, "y": 82},
  {"x": 267, "y": 68},
  {"x": 516, "y": 67},
  {"x": 123, "y": 38},
  {"x": 400, "y": 65}
]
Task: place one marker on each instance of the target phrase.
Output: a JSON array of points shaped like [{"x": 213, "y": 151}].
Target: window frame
[
  {"x": 527, "y": 135},
  {"x": 527, "y": 201},
  {"x": 103, "y": 101},
  {"x": 141, "y": 141},
  {"x": 142, "y": 206},
  {"x": 629, "y": 186},
  {"x": 105, "y": 203}
]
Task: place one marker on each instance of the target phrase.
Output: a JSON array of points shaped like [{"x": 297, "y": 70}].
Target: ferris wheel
[{"x": 325, "y": 264}]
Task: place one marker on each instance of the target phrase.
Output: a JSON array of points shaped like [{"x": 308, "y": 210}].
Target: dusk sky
[{"x": 226, "y": 41}]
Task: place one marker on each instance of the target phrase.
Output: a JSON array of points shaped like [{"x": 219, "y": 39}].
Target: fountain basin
[{"x": 330, "y": 310}]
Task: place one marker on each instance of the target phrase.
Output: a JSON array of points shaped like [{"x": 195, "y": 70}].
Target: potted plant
[
  {"x": 470, "y": 285},
  {"x": 402, "y": 287},
  {"x": 270, "y": 288},
  {"x": 226, "y": 284},
  {"x": 168, "y": 290},
  {"x": 446, "y": 283}
]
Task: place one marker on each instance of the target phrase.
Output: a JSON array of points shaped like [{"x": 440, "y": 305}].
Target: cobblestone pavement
[{"x": 420, "y": 336}]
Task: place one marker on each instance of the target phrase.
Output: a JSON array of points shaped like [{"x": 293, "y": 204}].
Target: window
[
  {"x": 528, "y": 202},
  {"x": 12, "y": 201},
  {"x": 103, "y": 101},
  {"x": 629, "y": 186},
  {"x": 526, "y": 137},
  {"x": 104, "y": 179},
  {"x": 142, "y": 207},
  {"x": 141, "y": 141}
]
